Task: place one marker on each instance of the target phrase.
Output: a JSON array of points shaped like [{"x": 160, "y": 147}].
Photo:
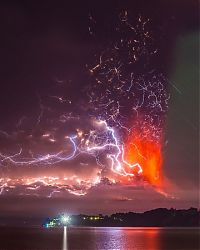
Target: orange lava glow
[{"x": 148, "y": 154}]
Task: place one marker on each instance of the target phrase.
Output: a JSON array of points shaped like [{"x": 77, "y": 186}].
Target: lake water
[{"x": 99, "y": 238}]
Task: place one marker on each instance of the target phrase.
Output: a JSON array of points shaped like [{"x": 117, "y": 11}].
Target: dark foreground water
[{"x": 99, "y": 238}]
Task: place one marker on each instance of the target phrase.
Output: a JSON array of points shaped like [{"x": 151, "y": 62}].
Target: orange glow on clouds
[{"x": 148, "y": 154}]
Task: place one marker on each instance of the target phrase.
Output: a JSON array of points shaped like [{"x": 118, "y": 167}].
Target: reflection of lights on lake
[
  {"x": 114, "y": 238},
  {"x": 65, "y": 238},
  {"x": 65, "y": 220}
]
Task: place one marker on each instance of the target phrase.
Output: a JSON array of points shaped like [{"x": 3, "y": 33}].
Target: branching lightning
[{"x": 126, "y": 109}]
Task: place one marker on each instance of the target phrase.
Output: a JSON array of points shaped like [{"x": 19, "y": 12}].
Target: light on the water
[{"x": 65, "y": 238}]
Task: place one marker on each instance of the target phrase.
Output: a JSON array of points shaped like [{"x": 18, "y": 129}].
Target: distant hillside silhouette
[{"x": 160, "y": 217}]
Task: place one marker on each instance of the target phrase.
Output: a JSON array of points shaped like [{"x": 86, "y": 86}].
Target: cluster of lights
[{"x": 63, "y": 220}]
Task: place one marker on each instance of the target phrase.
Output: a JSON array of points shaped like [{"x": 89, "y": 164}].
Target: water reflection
[
  {"x": 99, "y": 238},
  {"x": 128, "y": 238},
  {"x": 114, "y": 238},
  {"x": 132, "y": 239},
  {"x": 152, "y": 238},
  {"x": 65, "y": 238}
]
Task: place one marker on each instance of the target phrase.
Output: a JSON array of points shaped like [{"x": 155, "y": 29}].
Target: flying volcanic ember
[{"x": 123, "y": 114}]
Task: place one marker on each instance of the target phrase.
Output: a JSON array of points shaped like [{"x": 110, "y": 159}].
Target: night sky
[{"x": 99, "y": 106}]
